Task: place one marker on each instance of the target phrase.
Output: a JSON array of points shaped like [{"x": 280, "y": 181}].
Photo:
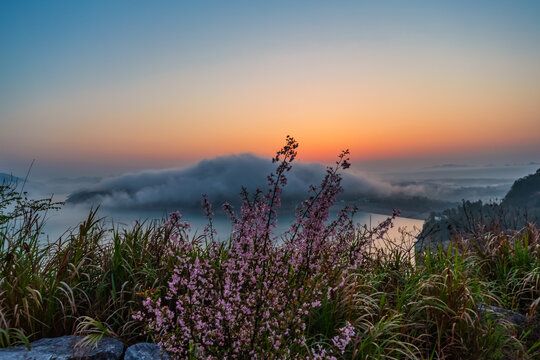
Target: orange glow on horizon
[
  {"x": 375, "y": 117},
  {"x": 173, "y": 84}
]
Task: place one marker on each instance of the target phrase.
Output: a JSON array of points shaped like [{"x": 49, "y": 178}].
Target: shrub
[{"x": 254, "y": 295}]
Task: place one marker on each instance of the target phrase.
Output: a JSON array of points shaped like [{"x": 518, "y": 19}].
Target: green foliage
[{"x": 430, "y": 309}]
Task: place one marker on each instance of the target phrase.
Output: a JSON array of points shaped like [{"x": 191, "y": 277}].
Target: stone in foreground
[
  {"x": 512, "y": 317},
  {"x": 64, "y": 348},
  {"x": 144, "y": 351}
]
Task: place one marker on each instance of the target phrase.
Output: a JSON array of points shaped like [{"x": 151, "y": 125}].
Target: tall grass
[{"x": 87, "y": 279}]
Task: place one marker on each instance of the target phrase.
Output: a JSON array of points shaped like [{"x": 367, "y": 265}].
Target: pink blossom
[{"x": 252, "y": 296}]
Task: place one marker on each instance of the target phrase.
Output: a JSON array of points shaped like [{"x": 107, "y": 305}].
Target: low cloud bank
[{"x": 222, "y": 179}]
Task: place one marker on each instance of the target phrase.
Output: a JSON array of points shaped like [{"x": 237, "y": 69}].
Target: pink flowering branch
[{"x": 253, "y": 296}]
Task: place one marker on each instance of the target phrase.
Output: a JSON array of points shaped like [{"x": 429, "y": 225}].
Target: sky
[{"x": 108, "y": 87}]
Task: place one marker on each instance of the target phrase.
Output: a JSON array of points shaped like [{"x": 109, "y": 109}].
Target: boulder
[
  {"x": 64, "y": 348},
  {"x": 512, "y": 317},
  {"x": 144, "y": 351}
]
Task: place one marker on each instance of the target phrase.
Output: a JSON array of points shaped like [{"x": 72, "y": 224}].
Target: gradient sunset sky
[{"x": 101, "y": 87}]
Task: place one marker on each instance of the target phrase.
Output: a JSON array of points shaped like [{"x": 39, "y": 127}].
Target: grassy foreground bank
[
  {"x": 399, "y": 309},
  {"x": 321, "y": 292}
]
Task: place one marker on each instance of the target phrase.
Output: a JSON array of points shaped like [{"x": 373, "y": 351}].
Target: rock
[
  {"x": 144, "y": 351},
  {"x": 63, "y": 348},
  {"x": 508, "y": 315}
]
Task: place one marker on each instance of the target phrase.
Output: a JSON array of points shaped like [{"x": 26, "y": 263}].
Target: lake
[{"x": 70, "y": 216}]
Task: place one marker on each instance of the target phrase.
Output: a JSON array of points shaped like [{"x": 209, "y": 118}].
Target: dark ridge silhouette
[
  {"x": 525, "y": 192},
  {"x": 520, "y": 206}
]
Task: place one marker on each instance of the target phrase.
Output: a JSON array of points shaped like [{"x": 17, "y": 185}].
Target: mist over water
[
  {"x": 417, "y": 193},
  {"x": 455, "y": 182},
  {"x": 151, "y": 195}
]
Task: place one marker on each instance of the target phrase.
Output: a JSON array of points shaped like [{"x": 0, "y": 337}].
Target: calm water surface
[{"x": 69, "y": 217}]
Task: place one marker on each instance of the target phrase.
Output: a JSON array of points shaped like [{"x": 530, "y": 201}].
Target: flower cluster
[
  {"x": 252, "y": 296},
  {"x": 340, "y": 343},
  {"x": 345, "y": 336}
]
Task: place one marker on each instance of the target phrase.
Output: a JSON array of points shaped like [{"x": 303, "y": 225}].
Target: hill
[
  {"x": 524, "y": 192},
  {"x": 520, "y": 206},
  {"x": 6, "y": 178}
]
